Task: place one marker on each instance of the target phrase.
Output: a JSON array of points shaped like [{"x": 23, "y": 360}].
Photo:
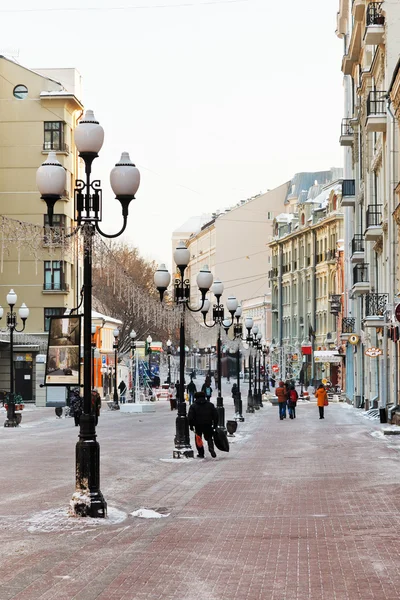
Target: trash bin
[
  {"x": 382, "y": 415},
  {"x": 172, "y": 402}
]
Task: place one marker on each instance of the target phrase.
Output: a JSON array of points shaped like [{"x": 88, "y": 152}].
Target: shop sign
[{"x": 373, "y": 352}]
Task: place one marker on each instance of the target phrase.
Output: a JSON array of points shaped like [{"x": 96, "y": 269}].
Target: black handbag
[{"x": 221, "y": 440}]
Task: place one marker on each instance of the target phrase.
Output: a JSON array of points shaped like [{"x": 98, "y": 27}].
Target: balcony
[
  {"x": 348, "y": 328},
  {"x": 330, "y": 256},
  {"x": 58, "y": 147},
  {"x": 273, "y": 273},
  {"x": 375, "y": 305},
  {"x": 349, "y": 192},
  {"x": 375, "y": 25},
  {"x": 357, "y": 248},
  {"x": 346, "y": 133},
  {"x": 56, "y": 288},
  {"x": 374, "y": 223},
  {"x": 274, "y": 308},
  {"x": 376, "y": 112},
  {"x": 336, "y": 304},
  {"x": 360, "y": 279}
]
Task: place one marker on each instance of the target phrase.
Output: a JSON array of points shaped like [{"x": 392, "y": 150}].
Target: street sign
[
  {"x": 103, "y": 359},
  {"x": 275, "y": 368},
  {"x": 373, "y": 352},
  {"x": 397, "y": 312}
]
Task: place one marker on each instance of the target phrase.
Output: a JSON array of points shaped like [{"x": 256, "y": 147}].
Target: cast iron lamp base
[
  {"x": 182, "y": 439},
  {"x": 87, "y": 500},
  {"x": 250, "y": 406},
  {"x": 12, "y": 419}
]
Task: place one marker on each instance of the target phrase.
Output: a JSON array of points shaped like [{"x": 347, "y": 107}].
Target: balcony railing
[
  {"x": 56, "y": 287},
  {"x": 375, "y": 305},
  {"x": 374, "y": 215},
  {"x": 55, "y": 147},
  {"x": 357, "y": 243},
  {"x": 330, "y": 254},
  {"x": 346, "y": 128},
  {"x": 348, "y": 325},
  {"x": 360, "y": 273},
  {"x": 374, "y": 14},
  {"x": 376, "y": 103},
  {"x": 348, "y": 187}
]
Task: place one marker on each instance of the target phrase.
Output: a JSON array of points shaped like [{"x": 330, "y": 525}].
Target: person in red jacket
[{"x": 280, "y": 392}]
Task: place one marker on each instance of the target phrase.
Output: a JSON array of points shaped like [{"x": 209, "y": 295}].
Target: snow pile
[{"x": 145, "y": 513}]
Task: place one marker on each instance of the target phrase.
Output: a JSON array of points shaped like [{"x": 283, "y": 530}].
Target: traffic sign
[
  {"x": 397, "y": 312},
  {"x": 275, "y": 368}
]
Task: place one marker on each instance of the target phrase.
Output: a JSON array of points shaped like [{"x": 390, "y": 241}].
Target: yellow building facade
[{"x": 38, "y": 113}]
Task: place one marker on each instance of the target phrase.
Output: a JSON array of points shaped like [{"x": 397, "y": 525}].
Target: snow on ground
[
  {"x": 145, "y": 513},
  {"x": 58, "y": 519}
]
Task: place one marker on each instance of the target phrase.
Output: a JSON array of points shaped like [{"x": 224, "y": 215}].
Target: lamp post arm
[{"x": 112, "y": 235}]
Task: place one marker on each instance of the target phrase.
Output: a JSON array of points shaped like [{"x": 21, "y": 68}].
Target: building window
[
  {"x": 51, "y": 312},
  {"x": 20, "y": 92},
  {"x": 53, "y": 135},
  {"x": 54, "y": 276}
]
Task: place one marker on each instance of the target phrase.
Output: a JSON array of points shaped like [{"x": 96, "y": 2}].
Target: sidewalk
[{"x": 299, "y": 509}]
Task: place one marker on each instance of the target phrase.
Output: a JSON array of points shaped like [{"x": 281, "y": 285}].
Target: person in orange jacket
[
  {"x": 280, "y": 392},
  {"x": 322, "y": 399}
]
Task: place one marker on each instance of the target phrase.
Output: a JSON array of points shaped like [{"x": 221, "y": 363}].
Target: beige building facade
[{"x": 38, "y": 114}]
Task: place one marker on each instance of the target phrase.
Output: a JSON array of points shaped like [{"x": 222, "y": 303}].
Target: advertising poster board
[{"x": 63, "y": 352}]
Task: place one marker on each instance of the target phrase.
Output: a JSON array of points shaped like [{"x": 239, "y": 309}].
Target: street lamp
[
  {"x": 220, "y": 321},
  {"x": 132, "y": 335},
  {"x": 23, "y": 313},
  {"x": 162, "y": 280},
  {"x": 169, "y": 344},
  {"x": 124, "y": 178},
  {"x": 265, "y": 351},
  {"x": 115, "y": 346},
  {"x": 94, "y": 328},
  {"x": 258, "y": 348},
  {"x": 249, "y": 339},
  {"x": 237, "y": 334},
  {"x": 149, "y": 339}
]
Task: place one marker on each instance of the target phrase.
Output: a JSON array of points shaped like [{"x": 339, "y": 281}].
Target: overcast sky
[{"x": 216, "y": 101}]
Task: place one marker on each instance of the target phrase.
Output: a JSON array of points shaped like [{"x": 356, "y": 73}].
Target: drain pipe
[{"x": 392, "y": 253}]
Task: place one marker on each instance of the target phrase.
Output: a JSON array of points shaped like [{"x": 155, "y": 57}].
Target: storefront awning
[{"x": 327, "y": 356}]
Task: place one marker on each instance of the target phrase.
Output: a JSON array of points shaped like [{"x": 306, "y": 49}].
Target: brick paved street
[{"x": 296, "y": 510}]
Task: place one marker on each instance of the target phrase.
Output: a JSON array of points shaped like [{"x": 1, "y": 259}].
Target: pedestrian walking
[
  {"x": 280, "y": 392},
  {"x": 207, "y": 389},
  {"x": 96, "y": 406},
  {"x": 122, "y": 391},
  {"x": 203, "y": 418},
  {"x": 76, "y": 406},
  {"x": 177, "y": 389},
  {"x": 191, "y": 390},
  {"x": 322, "y": 399},
  {"x": 293, "y": 397},
  {"x": 234, "y": 391}
]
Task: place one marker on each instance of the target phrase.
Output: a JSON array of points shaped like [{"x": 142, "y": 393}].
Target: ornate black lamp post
[
  {"x": 149, "y": 339},
  {"x": 237, "y": 334},
  {"x": 125, "y": 178},
  {"x": 220, "y": 321},
  {"x": 265, "y": 352},
  {"x": 162, "y": 280},
  {"x": 257, "y": 384},
  {"x": 132, "y": 335},
  {"x": 169, "y": 351},
  {"x": 94, "y": 329},
  {"x": 115, "y": 347},
  {"x": 23, "y": 312},
  {"x": 249, "y": 340}
]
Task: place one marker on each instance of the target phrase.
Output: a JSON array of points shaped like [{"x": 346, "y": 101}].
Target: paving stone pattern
[{"x": 299, "y": 509}]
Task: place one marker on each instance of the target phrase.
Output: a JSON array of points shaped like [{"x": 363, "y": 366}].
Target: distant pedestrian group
[{"x": 287, "y": 400}]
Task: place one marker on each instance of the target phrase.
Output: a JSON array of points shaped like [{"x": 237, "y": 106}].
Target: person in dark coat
[
  {"x": 96, "y": 406},
  {"x": 76, "y": 406},
  {"x": 234, "y": 391},
  {"x": 122, "y": 391},
  {"x": 177, "y": 388},
  {"x": 207, "y": 389},
  {"x": 203, "y": 417},
  {"x": 191, "y": 390}
]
